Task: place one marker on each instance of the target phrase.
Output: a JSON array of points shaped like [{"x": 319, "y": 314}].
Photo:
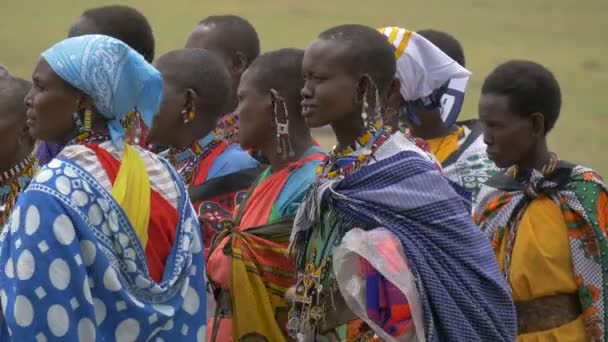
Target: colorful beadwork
[
  {"x": 12, "y": 182},
  {"x": 91, "y": 137},
  {"x": 330, "y": 167},
  {"x": 227, "y": 128},
  {"x": 187, "y": 160}
]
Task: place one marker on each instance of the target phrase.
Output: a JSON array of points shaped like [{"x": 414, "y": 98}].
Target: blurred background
[{"x": 567, "y": 36}]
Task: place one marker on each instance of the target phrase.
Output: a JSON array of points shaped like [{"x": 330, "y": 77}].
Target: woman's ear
[
  {"x": 538, "y": 124},
  {"x": 392, "y": 98},
  {"x": 190, "y": 99},
  {"x": 238, "y": 63},
  {"x": 364, "y": 86}
]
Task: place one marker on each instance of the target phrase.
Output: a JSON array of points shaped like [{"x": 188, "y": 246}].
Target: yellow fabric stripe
[
  {"x": 132, "y": 192},
  {"x": 393, "y": 35},
  {"x": 403, "y": 44}
]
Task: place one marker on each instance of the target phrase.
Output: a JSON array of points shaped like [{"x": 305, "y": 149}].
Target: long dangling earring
[
  {"x": 78, "y": 122},
  {"x": 365, "y": 109},
  {"x": 281, "y": 121},
  {"x": 377, "y": 117},
  {"x": 372, "y": 118},
  {"x": 135, "y": 127},
  {"x": 88, "y": 120}
]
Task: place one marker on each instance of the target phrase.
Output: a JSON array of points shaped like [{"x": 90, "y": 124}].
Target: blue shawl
[
  {"x": 464, "y": 295},
  {"x": 73, "y": 268}
]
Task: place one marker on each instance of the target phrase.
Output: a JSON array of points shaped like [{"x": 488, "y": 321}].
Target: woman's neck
[
  {"x": 347, "y": 131},
  {"x": 538, "y": 157},
  {"x": 22, "y": 155},
  {"x": 278, "y": 161},
  {"x": 100, "y": 124},
  {"x": 431, "y": 126},
  {"x": 193, "y": 133}
]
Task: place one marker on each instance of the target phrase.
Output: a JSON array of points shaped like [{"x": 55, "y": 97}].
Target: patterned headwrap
[
  {"x": 116, "y": 77},
  {"x": 429, "y": 78}
]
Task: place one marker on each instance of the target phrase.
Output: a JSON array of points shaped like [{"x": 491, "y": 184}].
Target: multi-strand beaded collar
[
  {"x": 187, "y": 160},
  {"x": 343, "y": 162},
  {"x": 13, "y": 182}
]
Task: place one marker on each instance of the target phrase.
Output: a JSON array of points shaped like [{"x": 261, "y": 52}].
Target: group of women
[{"x": 185, "y": 198}]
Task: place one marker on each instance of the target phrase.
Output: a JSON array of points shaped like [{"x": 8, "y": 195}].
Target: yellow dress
[
  {"x": 443, "y": 147},
  {"x": 541, "y": 265}
]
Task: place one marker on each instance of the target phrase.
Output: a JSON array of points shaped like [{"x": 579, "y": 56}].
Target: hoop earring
[
  {"x": 188, "y": 116},
  {"x": 281, "y": 122}
]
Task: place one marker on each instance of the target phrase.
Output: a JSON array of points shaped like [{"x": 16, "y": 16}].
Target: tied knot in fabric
[{"x": 538, "y": 185}]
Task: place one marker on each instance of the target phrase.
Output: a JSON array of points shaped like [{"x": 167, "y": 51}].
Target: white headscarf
[{"x": 423, "y": 69}]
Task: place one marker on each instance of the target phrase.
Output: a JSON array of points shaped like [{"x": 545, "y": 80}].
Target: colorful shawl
[
  {"x": 463, "y": 294},
  {"x": 75, "y": 267},
  {"x": 469, "y": 166},
  {"x": 261, "y": 271},
  {"x": 217, "y": 174},
  {"x": 582, "y": 196}
]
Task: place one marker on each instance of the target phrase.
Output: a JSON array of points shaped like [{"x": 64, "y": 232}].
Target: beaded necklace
[
  {"x": 187, "y": 160},
  {"x": 227, "y": 128},
  {"x": 341, "y": 163},
  {"x": 13, "y": 181},
  {"x": 91, "y": 137}
]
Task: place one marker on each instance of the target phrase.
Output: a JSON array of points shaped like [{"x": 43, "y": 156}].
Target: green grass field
[{"x": 568, "y": 36}]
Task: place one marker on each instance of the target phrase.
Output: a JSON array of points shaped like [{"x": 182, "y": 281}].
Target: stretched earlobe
[{"x": 188, "y": 113}]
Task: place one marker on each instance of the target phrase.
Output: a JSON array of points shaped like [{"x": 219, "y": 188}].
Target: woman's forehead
[{"x": 323, "y": 53}]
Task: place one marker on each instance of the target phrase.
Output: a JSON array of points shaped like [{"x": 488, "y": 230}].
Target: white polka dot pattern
[{"x": 74, "y": 269}]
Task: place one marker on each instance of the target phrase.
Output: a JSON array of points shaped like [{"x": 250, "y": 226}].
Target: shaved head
[{"x": 12, "y": 95}]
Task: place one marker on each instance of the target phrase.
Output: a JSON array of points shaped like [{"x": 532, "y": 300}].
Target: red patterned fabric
[{"x": 163, "y": 219}]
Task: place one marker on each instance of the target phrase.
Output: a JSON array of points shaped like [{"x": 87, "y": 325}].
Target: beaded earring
[
  {"x": 188, "y": 116},
  {"x": 281, "y": 121},
  {"x": 133, "y": 123},
  {"x": 78, "y": 122},
  {"x": 370, "y": 115},
  {"x": 88, "y": 122}
]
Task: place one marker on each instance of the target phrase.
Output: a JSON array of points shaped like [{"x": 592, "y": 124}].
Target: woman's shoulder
[{"x": 233, "y": 159}]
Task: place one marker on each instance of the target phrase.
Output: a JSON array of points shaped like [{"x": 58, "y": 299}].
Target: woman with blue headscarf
[{"x": 104, "y": 243}]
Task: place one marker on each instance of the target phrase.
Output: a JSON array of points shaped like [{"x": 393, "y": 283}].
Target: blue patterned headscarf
[{"x": 116, "y": 77}]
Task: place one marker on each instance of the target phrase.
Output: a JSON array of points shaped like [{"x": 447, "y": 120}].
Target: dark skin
[
  {"x": 83, "y": 26},
  {"x": 14, "y": 134},
  {"x": 168, "y": 127},
  {"x": 333, "y": 94},
  {"x": 431, "y": 126},
  {"x": 512, "y": 138},
  {"x": 258, "y": 131},
  {"x": 51, "y": 103},
  {"x": 207, "y": 37}
]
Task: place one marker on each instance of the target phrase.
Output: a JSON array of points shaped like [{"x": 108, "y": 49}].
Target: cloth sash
[{"x": 261, "y": 271}]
